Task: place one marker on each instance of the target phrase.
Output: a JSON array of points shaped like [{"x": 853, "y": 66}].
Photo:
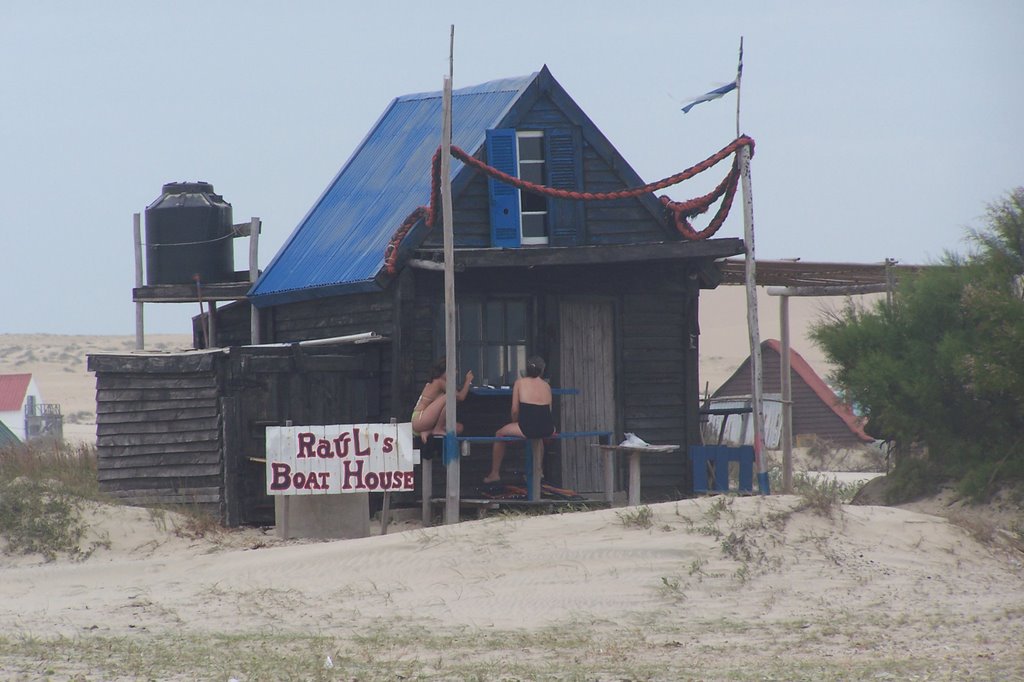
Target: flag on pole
[
  {"x": 714, "y": 94},
  {"x": 724, "y": 90}
]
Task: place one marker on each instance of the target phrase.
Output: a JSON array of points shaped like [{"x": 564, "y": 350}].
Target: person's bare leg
[
  {"x": 538, "y": 452},
  {"x": 428, "y": 419},
  {"x": 497, "y": 455},
  {"x": 439, "y": 428},
  {"x": 498, "y": 451}
]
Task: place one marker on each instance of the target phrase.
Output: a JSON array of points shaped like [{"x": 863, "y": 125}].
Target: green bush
[
  {"x": 938, "y": 364},
  {"x": 42, "y": 488},
  {"x": 912, "y": 479},
  {"x": 39, "y": 519}
]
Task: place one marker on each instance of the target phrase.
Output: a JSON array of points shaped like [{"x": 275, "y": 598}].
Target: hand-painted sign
[{"x": 348, "y": 458}]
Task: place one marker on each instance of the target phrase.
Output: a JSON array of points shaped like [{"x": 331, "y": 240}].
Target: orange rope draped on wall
[{"x": 682, "y": 211}]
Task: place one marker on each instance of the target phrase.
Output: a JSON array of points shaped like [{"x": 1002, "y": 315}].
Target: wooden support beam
[
  {"x": 595, "y": 254},
  {"x": 829, "y": 290},
  {"x": 186, "y": 293}
]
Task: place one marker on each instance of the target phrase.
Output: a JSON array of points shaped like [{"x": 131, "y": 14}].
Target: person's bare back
[{"x": 534, "y": 390}]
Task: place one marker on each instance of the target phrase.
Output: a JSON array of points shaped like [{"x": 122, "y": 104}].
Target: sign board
[{"x": 345, "y": 458}]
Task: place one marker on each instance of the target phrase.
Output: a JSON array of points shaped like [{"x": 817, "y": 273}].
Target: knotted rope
[{"x": 681, "y": 211}]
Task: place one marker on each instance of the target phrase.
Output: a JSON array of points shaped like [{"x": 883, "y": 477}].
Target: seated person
[
  {"x": 531, "y": 415},
  {"x": 428, "y": 416}
]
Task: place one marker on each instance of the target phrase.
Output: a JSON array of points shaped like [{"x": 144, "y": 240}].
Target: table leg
[
  {"x": 609, "y": 476},
  {"x": 535, "y": 448},
  {"x": 634, "y": 478}
]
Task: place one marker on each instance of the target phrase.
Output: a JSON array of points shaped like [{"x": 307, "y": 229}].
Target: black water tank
[{"x": 188, "y": 233}]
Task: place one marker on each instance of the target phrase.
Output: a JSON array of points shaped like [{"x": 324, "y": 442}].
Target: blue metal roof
[{"x": 339, "y": 246}]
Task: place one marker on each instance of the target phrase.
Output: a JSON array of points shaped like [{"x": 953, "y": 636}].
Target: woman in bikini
[
  {"x": 531, "y": 415},
  {"x": 428, "y": 415}
]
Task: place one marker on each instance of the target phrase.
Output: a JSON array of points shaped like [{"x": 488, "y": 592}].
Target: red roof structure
[
  {"x": 13, "y": 388},
  {"x": 817, "y": 410}
]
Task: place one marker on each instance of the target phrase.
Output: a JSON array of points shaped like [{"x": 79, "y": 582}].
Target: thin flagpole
[
  {"x": 739, "y": 78},
  {"x": 750, "y": 262}
]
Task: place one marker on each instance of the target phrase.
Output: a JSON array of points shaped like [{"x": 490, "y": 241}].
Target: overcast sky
[{"x": 883, "y": 128}]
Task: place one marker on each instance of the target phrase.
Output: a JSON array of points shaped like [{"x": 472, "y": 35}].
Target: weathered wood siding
[
  {"x": 268, "y": 387},
  {"x": 655, "y": 352},
  {"x": 654, "y": 377},
  {"x": 190, "y": 429},
  {"x": 622, "y": 221},
  {"x": 159, "y": 430},
  {"x": 587, "y": 363},
  {"x": 321, "y": 319}
]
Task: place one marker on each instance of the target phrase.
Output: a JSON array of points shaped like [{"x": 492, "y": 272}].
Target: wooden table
[{"x": 634, "y": 453}]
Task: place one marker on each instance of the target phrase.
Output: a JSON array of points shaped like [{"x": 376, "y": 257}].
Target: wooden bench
[{"x": 533, "y": 470}]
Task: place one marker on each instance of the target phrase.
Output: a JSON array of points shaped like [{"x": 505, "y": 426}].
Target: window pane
[
  {"x": 515, "y": 316},
  {"x": 535, "y": 225},
  {"x": 532, "y": 172},
  {"x": 516, "y": 362},
  {"x": 469, "y": 358},
  {"x": 531, "y": 148},
  {"x": 469, "y": 321},
  {"x": 534, "y": 203},
  {"x": 493, "y": 369},
  {"x": 495, "y": 322}
]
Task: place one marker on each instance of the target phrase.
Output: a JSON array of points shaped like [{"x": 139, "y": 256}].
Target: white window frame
[{"x": 524, "y": 240}]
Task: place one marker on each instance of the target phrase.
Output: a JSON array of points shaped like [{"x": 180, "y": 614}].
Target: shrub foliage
[{"x": 940, "y": 364}]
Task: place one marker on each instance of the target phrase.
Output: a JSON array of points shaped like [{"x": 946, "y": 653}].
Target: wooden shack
[
  {"x": 606, "y": 291},
  {"x": 188, "y": 428}
]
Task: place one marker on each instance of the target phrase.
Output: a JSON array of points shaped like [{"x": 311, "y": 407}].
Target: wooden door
[
  {"x": 587, "y": 362},
  {"x": 270, "y": 386}
]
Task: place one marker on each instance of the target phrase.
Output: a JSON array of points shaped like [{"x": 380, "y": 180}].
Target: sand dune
[{"x": 708, "y": 589}]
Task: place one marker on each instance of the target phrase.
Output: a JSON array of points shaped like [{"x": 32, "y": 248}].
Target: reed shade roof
[{"x": 781, "y": 273}]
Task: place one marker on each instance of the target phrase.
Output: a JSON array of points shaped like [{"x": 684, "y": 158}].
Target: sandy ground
[{"x": 712, "y": 588}]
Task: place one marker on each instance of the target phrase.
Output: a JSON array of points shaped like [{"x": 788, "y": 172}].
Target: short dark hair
[
  {"x": 438, "y": 369},
  {"x": 534, "y": 366}
]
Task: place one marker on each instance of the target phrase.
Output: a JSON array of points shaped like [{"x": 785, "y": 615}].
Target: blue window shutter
[
  {"x": 501, "y": 153},
  {"x": 563, "y": 155}
]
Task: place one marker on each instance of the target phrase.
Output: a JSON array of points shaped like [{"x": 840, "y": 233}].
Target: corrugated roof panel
[{"x": 340, "y": 243}]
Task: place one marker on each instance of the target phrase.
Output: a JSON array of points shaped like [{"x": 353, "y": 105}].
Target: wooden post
[
  {"x": 285, "y": 511},
  {"x": 211, "y": 310},
  {"x": 609, "y": 476},
  {"x": 756, "y": 376},
  {"x": 787, "y": 399},
  {"x": 427, "y": 484},
  {"x": 451, "y": 452},
  {"x": 385, "y": 508},
  {"x": 254, "y": 273},
  {"x": 786, "y": 376},
  {"x": 140, "y": 336},
  {"x": 535, "y": 450},
  {"x": 756, "y": 368}
]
